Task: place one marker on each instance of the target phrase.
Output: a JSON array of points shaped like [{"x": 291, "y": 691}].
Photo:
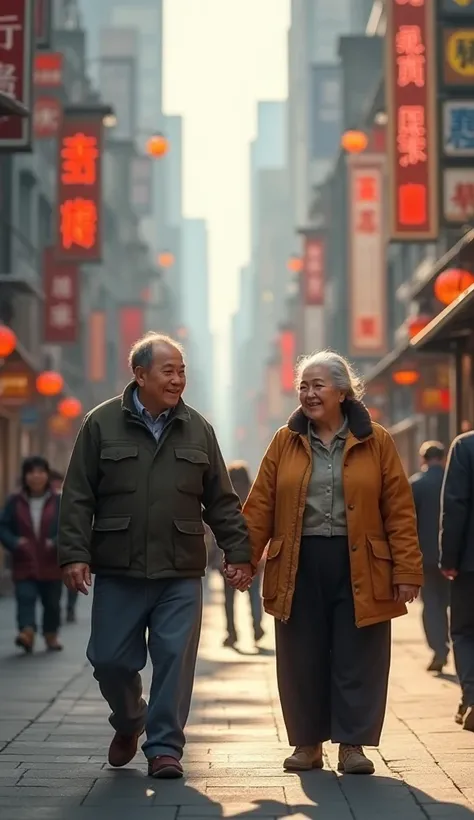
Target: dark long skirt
[{"x": 332, "y": 676}]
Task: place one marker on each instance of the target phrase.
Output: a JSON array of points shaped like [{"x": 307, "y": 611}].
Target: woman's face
[
  {"x": 319, "y": 399},
  {"x": 37, "y": 480}
]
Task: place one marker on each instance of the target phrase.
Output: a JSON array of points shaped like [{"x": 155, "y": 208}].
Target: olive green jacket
[{"x": 133, "y": 507}]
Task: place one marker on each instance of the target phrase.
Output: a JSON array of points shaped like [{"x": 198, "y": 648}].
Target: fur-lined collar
[{"x": 357, "y": 415}]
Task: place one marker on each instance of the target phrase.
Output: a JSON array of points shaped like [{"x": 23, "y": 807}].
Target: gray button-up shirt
[
  {"x": 325, "y": 511},
  {"x": 156, "y": 426}
]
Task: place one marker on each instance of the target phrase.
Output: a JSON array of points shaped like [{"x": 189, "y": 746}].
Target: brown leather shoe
[
  {"x": 52, "y": 642},
  {"x": 164, "y": 767},
  {"x": 123, "y": 749},
  {"x": 305, "y": 758},
  {"x": 26, "y": 639},
  {"x": 352, "y": 760}
]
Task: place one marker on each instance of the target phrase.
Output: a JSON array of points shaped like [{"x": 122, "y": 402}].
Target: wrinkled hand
[
  {"x": 406, "y": 593},
  {"x": 239, "y": 576},
  {"x": 450, "y": 574},
  {"x": 77, "y": 577}
]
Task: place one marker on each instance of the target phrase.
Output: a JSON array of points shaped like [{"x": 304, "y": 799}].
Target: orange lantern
[
  {"x": 354, "y": 142},
  {"x": 70, "y": 408},
  {"x": 49, "y": 383},
  {"x": 7, "y": 341},
  {"x": 406, "y": 378},
  {"x": 415, "y": 324},
  {"x": 295, "y": 264},
  {"x": 451, "y": 283},
  {"x": 157, "y": 146},
  {"x": 165, "y": 259}
]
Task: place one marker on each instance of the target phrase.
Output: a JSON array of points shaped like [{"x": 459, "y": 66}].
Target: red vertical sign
[
  {"x": 79, "y": 236},
  {"x": 130, "y": 330},
  {"x": 287, "y": 360},
  {"x": 16, "y": 69},
  {"x": 61, "y": 300},
  {"x": 313, "y": 271},
  {"x": 411, "y": 107}
]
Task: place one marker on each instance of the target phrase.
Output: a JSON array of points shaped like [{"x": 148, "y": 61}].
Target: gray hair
[
  {"x": 142, "y": 352},
  {"x": 343, "y": 376}
]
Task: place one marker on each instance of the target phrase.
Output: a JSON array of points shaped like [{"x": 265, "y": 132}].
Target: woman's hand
[{"x": 406, "y": 593}]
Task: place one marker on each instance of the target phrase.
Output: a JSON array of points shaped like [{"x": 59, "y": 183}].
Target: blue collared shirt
[{"x": 156, "y": 426}]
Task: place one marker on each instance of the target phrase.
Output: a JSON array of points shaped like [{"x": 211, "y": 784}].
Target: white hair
[{"x": 342, "y": 374}]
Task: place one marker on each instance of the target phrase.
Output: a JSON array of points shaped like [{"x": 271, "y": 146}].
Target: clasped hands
[{"x": 239, "y": 576}]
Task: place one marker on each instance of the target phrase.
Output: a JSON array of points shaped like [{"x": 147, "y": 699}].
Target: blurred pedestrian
[
  {"x": 457, "y": 564},
  {"x": 240, "y": 477},
  {"x": 426, "y": 487},
  {"x": 332, "y": 498},
  {"x": 143, "y": 467},
  {"x": 57, "y": 481},
  {"x": 28, "y": 530}
]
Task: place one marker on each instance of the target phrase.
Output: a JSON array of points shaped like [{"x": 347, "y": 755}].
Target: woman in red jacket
[{"x": 28, "y": 530}]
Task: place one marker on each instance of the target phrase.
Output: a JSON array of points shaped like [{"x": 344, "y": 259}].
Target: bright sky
[{"x": 221, "y": 57}]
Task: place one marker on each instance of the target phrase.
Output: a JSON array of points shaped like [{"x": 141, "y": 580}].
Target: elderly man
[{"x": 143, "y": 468}]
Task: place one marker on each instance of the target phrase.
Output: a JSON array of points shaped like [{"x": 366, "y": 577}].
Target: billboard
[
  {"x": 412, "y": 126},
  {"x": 16, "y": 70},
  {"x": 313, "y": 271},
  {"x": 61, "y": 300},
  {"x": 79, "y": 236},
  {"x": 367, "y": 274}
]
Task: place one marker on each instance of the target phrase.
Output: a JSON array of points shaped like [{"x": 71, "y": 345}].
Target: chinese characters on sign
[
  {"x": 367, "y": 270},
  {"x": 413, "y": 188},
  {"x": 46, "y": 117},
  {"x": 79, "y": 179},
  {"x": 458, "y": 195},
  {"x": 16, "y": 50},
  {"x": 458, "y": 128},
  {"x": 61, "y": 300},
  {"x": 313, "y": 272},
  {"x": 458, "y": 58},
  {"x": 48, "y": 70}
]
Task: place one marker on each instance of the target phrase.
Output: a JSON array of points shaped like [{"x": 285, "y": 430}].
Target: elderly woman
[{"x": 332, "y": 499}]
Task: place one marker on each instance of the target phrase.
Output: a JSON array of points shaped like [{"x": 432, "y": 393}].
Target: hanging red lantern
[
  {"x": 7, "y": 341},
  {"x": 451, "y": 283},
  {"x": 157, "y": 146},
  {"x": 70, "y": 408},
  {"x": 49, "y": 383},
  {"x": 165, "y": 259},
  {"x": 354, "y": 142},
  {"x": 295, "y": 264},
  {"x": 415, "y": 324},
  {"x": 406, "y": 378}
]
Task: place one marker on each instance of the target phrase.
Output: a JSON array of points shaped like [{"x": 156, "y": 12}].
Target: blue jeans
[{"x": 27, "y": 594}]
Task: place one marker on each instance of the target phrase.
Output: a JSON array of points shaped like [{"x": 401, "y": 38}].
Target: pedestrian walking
[
  {"x": 457, "y": 564},
  {"x": 426, "y": 487},
  {"x": 57, "y": 480},
  {"x": 332, "y": 498},
  {"x": 145, "y": 470},
  {"x": 240, "y": 478},
  {"x": 28, "y": 530}
]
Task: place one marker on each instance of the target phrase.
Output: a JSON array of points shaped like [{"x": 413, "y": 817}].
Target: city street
[{"x": 54, "y": 737}]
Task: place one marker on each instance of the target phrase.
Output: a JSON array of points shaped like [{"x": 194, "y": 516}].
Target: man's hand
[
  {"x": 77, "y": 577},
  {"x": 450, "y": 574},
  {"x": 406, "y": 593},
  {"x": 239, "y": 576}
]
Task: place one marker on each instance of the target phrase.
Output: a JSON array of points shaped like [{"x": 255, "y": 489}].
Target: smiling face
[
  {"x": 162, "y": 384},
  {"x": 320, "y": 400}
]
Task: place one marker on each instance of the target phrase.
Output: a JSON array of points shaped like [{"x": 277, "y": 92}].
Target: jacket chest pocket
[
  {"x": 191, "y": 464},
  {"x": 119, "y": 468},
  {"x": 381, "y": 569}
]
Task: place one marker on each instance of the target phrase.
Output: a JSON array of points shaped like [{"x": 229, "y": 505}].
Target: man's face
[{"x": 163, "y": 383}]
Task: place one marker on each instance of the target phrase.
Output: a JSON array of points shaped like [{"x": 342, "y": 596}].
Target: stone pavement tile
[
  {"x": 248, "y": 794},
  {"x": 270, "y": 809},
  {"x": 448, "y": 811},
  {"x": 85, "y": 813},
  {"x": 451, "y": 795},
  {"x": 11, "y": 728}
]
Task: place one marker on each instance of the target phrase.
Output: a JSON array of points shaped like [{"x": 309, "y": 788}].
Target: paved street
[{"x": 54, "y": 736}]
